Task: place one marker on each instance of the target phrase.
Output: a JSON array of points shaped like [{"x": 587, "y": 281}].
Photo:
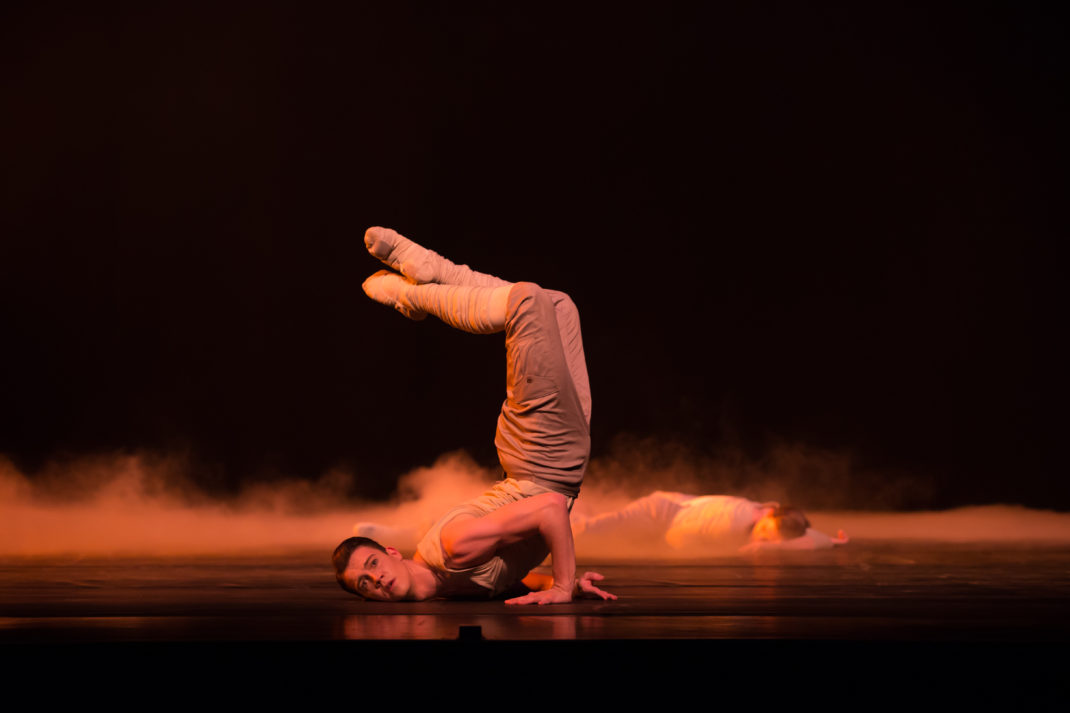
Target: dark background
[{"x": 783, "y": 223}]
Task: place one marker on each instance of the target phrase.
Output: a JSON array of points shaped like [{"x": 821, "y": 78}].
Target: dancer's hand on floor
[
  {"x": 553, "y": 595},
  {"x": 585, "y": 587}
]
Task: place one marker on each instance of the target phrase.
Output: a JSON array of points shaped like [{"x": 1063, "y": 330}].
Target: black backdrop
[{"x": 823, "y": 225}]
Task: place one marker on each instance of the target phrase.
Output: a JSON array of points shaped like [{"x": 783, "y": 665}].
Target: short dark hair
[
  {"x": 790, "y": 522},
  {"x": 344, "y": 551}
]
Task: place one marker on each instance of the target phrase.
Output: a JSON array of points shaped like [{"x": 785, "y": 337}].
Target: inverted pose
[
  {"x": 708, "y": 522},
  {"x": 487, "y": 546}
]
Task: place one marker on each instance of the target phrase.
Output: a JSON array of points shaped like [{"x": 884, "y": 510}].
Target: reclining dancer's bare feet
[
  {"x": 420, "y": 264},
  {"x": 388, "y": 288}
]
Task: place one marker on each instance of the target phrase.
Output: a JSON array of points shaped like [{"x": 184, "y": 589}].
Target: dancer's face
[{"x": 377, "y": 575}]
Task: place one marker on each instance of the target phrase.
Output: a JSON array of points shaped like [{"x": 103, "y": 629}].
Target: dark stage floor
[{"x": 951, "y": 613}]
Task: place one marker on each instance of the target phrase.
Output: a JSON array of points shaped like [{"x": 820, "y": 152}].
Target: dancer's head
[
  {"x": 364, "y": 567},
  {"x": 780, "y": 523}
]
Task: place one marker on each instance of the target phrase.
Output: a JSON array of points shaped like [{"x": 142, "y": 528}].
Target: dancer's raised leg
[
  {"x": 568, "y": 324},
  {"x": 480, "y": 310},
  {"x": 420, "y": 264},
  {"x": 543, "y": 430},
  {"x": 544, "y": 427}
]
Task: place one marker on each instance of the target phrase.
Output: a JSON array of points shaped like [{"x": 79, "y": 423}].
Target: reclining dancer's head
[
  {"x": 779, "y": 524},
  {"x": 364, "y": 567}
]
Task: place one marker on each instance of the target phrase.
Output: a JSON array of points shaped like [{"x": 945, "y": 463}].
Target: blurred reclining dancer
[
  {"x": 487, "y": 546},
  {"x": 708, "y": 522}
]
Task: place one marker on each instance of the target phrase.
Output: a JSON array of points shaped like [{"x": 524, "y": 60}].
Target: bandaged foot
[
  {"x": 389, "y": 289},
  {"x": 394, "y": 249},
  {"x": 420, "y": 264}
]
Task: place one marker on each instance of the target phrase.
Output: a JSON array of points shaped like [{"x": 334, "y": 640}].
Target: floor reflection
[{"x": 871, "y": 591}]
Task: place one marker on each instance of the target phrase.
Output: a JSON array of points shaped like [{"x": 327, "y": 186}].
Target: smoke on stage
[{"x": 143, "y": 504}]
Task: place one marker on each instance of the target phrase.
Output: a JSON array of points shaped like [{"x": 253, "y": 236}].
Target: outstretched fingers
[{"x": 587, "y": 588}]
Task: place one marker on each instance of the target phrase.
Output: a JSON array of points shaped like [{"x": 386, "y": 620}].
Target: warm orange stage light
[{"x": 134, "y": 507}]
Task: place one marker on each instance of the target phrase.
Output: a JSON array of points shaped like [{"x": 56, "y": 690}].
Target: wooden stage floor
[{"x": 899, "y": 615}]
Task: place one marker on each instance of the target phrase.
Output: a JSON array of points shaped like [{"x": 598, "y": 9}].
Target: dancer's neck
[{"x": 424, "y": 582}]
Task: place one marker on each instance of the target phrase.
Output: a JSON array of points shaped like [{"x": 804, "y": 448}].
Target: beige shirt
[{"x": 507, "y": 567}]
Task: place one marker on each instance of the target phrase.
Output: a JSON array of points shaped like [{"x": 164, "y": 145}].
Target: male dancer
[{"x": 485, "y": 547}]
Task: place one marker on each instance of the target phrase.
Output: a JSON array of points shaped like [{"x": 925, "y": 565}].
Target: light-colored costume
[
  {"x": 543, "y": 436},
  {"x": 682, "y": 520},
  {"x": 544, "y": 427},
  {"x": 689, "y": 522},
  {"x": 509, "y": 564}
]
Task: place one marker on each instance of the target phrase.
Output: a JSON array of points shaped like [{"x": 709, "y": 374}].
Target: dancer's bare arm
[{"x": 470, "y": 541}]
